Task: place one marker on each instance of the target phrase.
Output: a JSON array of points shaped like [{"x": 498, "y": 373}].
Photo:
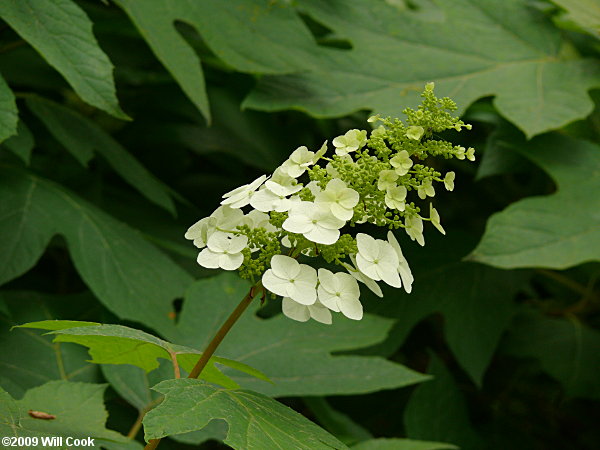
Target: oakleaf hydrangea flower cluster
[{"x": 311, "y": 204}]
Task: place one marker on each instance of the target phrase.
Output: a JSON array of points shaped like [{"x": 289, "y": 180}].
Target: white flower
[
  {"x": 350, "y": 142},
  {"x": 387, "y": 179},
  {"x": 403, "y": 268},
  {"x": 460, "y": 153},
  {"x": 371, "y": 284},
  {"x": 224, "y": 218},
  {"x": 320, "y": 152},
  {"x": 288, "y": 278},
  {"x": 302, "y": 313},
  {"x": 340, "y": 199},
  {"x": 426, "y": 189},
  {"x": 395, "y": 197},
  {"x": 379, "y": 131},
  {"x": 223, "y": 251},
  {"x": 401, "y": 162},
  {"x": 414, "y": 228},
  {"x": 434, "y": 216},
  {"x": 257, "y": 219},
  {"x": 377, "y": 259},
  {"x": 449, "y": 181},
  {"x": 314, "y": 188},
  {"x": 298, "y": 162},
  {"x": 314, "y": 221},
  {"x": 240, "y": 197},
  {"x": 282, "y": 184},
  {"x": 415, "y": 132},
  {"x": 471, "y": 154},
  {"x": 340, "y": 292}
]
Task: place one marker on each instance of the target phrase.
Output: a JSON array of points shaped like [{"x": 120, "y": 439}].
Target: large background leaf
[
  {"x": 79, "y": 411},
  {"x": 555, "y": 231},
  {"x": 255, "y": 421},
  {"x": 8, "y": 111},
  {"x": 504, "y": 48},
  {"x": 62, "y": 33},
  {"x": 129, "y": 275},
  {"x": 295, "y": 356}
]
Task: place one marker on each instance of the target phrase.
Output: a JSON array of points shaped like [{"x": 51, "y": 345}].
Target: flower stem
[{"x": 216, "y": 340}]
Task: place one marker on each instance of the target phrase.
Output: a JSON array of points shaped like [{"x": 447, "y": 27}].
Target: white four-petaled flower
[
  {"x": 377, "y": 259},
  {"x": 300, "y": 159},
  {"x": 387, "y": 179},
  {"x": 414, "y": 228},
  {"x": 350, "y": 142},
  {"x": 224, "y": 218},
  {"x": 395, "y": 197},
  {"x": 223, "y": 252},
  {"x": 401, "y": 162},
  {"x": 288, "y": 278},
  {"x": 434, "y": 216},
  {"x": 403, "y": 268},
  {"x": 340, "y": 292},
  {"x": 449, "y": 181},
  {"x": 240, "y": 197},
  {"x": 339, "y": 198},
  {"x": 315, "y": 221},
  {"x": 426, "y": 189},
  {"x": 302, "y": 313}
]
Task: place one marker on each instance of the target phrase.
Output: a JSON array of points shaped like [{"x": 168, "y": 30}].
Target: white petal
[
  {"x": 319, "y": 313},
  {"x": 231, "y": 261},
  {"x": 352, "y": 309},
  {"x": 302, "y": 292},
  {"x": 308, "y": 275},
  {"x": 219, "y": 241},
  {"x": 237, "y": 244},
  {"x": 328, "y": 299},
  {"x": 285, "y": 267},
  {"x": 322, "y": 235},
  {"x": 367, "y": 247},
  {"x": 340, "y": 212},
  {"x": 274, "y": 284},
  {"x": 263, "y": 200},
  {"x": 367, "y": 267},
  {"x": 294, "y": 310},
  {"x": 328, "y": 281},
  {"x": 195, "y": 231},
  {"x": 209, "y": 259},
  {"x": 298, "y": 224},
  {"x": 389, "y": 274}
]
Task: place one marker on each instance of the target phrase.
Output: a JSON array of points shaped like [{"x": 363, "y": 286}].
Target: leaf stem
[{"x": 216, "y": 340}]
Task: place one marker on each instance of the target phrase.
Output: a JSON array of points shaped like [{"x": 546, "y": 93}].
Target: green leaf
[
  {"x": 566, "y": 348},
  {"x": 8, "y": 111},
  {"x": 296, "y": 356},
  {"x": 255, "y": 421},
  {"x": 134, "y": 385},
  {"x": 585, "y": 13},
  {"x": 127, "y": 274},
  {"x": 81, "y": 137},
  {"x": 437, "y": 410},
  {"x": 554, "y": 231},
  {"x": 29, "y": 359},
  {"x": 336, "y": 422},
  {"x": 401, "y": 444},
  {"x": 79, "y": 411},
  {"x": 62, "y": 33},
  {"x": 22, "y": 143},
  {"x": 262, "y": 38},
  {"x": 472, "y": 50},
  {"x": 476, "y": 302},
  {"x": 117, "y": 344}
]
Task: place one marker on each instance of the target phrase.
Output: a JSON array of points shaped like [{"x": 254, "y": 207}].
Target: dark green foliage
[{"x": 122, "y": 123}]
